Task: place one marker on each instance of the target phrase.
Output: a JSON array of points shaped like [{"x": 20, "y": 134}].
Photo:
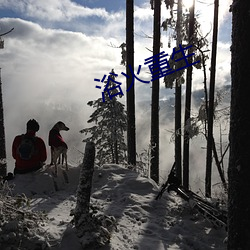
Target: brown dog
[{"x": 58, "y": 146}]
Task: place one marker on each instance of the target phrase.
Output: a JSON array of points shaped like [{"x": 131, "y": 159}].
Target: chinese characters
[{"x": 158, "y": 65}]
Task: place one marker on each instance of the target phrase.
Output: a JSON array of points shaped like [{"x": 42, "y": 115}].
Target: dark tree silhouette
[
  {"x": 154, "y": 167},
  {"x": 83, "y": 192},
  {"x": 131, "y": 129},
  {"x": 110, "y": 124},
  {"x": 239, "y": 160},
  {"x": 93, "y": 231},
  {"x": 3, "y": 163},
  {"x": 188, "y": 99},
  {"x": 3, "y": 160},
  {"x": 178, "y": 156},
  {"x": 210, "y": 139}
]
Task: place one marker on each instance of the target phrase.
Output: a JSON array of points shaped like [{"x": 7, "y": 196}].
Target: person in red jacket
[{"x": 29, "y": 150}]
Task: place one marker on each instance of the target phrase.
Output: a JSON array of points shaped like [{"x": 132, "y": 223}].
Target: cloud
[
  {"x": 49, "y": 74},
  {"x": 49, "y": 64},
  {"x": 143, "y": 12},
  {"x": 55, "y": 10},
  {"x": 205, "y": 14}
]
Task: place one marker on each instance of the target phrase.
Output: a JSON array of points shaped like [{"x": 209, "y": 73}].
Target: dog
[
  {"x": 58, "y": 146},
  {"x": 57, "y": 152}
]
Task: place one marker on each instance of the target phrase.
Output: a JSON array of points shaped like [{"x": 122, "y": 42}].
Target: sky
[{"x": 58, "y": 47}]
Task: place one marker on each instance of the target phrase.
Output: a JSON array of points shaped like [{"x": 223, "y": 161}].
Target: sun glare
[{"x": 188, "y": 3}]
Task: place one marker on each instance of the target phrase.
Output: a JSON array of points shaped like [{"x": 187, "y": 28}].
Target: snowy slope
[{"x": 141, "y": 221}]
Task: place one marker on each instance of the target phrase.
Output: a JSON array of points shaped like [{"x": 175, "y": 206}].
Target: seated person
[{"x": 28, "y": 150}]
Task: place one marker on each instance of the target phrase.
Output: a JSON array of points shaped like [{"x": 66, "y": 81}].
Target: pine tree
[
  {"x": 3, "y": 161},
  {"x": 110, "y": 120},
  {"x": 131, "y": 126},
  {"x": 3, "y": 164},
  {"x": 154, "y": 167},
  {"x": 238, "y": 170},
  {"x": 178, "y": 90},
  {"x": 186, "y": 30},
  {"x": 210, "y": 138},
  {"x": 191, "y": 26}
]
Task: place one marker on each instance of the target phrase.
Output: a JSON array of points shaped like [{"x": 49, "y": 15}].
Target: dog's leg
[
  {"x": 55, "y": 158},
  {"x": 51, "y": 155},
  {"x": 56, "y": 170},
  {"x": 59, "y": 159},
  {"x": 63, "y": 157},
  {"x": 66, "y": 161}
]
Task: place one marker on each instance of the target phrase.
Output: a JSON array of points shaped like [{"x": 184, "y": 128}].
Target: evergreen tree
[
  {"x": 131, "y": 127},
  {"x": 110, "y": 120},
  {"x": 191, "y": 26},
  {"x": 178, "y": 156},
  {"x": 239, "y": 171},
  {"x": 184, "y": 28},
  {"x": 3, "y": 164},
  {"x": 154, "y": 167},
  {"x": 3, "y": 161},
  {"x": 210, "y": 139}
]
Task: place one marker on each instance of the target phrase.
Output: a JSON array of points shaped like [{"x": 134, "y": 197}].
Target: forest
[{"x": 218, "y": 115}]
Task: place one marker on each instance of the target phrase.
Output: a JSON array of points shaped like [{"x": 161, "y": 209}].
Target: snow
[{"x": 141, "y": 221}]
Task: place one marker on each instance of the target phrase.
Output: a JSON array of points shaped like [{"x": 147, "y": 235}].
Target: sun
[{"x": 187, "y": 3}]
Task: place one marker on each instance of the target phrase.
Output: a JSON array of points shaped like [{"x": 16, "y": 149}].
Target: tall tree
[
  {"x": 188, "y": 99},
  {"x": 131, "y": 128},
  {"x": 3, "y": 162},
  {"x": 178, "y": 99},
  {"x": 110, "y": 121},
  {"x": 154, "y": 167},
  {"x": 239, "y": 159},
  {"x": 187, "y": 29},
  {"x": 211, "y": 102},
  {"x": 91, "y": 230}
]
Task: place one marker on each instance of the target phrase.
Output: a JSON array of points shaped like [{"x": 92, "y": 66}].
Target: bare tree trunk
[
  {"x": 116, "y": 152},
  {"x": 81, "y": 215},
  {"x": 3, "y": 162},
  {"x": 154, "y": 168},
  {"x": 188, "y": 101},
  {"x": 93, "y": 230},
  {"x": 178, "y": 157},
  {"x": 239, "y": 159},
  {"x": 218, "y": 164},
  {"x": 115, "y": 140},
  {"x": 211, "y": 103},
  {"x": 131, "y": 131}
]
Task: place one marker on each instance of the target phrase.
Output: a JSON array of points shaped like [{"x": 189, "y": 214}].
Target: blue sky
[
  {"x": 58, "y": 47},
  {"x": 67, "y": 14},
  {"x": 109, "y": 5}
]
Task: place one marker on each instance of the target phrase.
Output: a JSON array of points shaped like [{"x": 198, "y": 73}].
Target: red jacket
[
  {"x": 55, "y": 139},
  {"x": 37, "y": 159}
]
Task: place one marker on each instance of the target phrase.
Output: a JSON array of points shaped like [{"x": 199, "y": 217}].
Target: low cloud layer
[{"x": 51, "y": 58}]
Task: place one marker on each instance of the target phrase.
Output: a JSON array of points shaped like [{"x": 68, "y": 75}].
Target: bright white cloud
[
  {"x": 48, "y": 73},
  {"x": 53, "y": 10},
  {"x": 58, "y": 56},
  {"x": 143, "y": 12},
  {"x": 205, "y": 11}
]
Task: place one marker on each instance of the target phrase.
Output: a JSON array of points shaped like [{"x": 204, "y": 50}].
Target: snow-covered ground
[{"x": 141, "y": 221}]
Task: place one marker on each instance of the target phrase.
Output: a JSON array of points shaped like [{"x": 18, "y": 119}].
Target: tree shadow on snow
[
  {"x": 177, "y": 227},
  {"x": 39, "y": 187},
  {"x": 124, "y": 190},
  {"x": 167, "y": 223}
]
